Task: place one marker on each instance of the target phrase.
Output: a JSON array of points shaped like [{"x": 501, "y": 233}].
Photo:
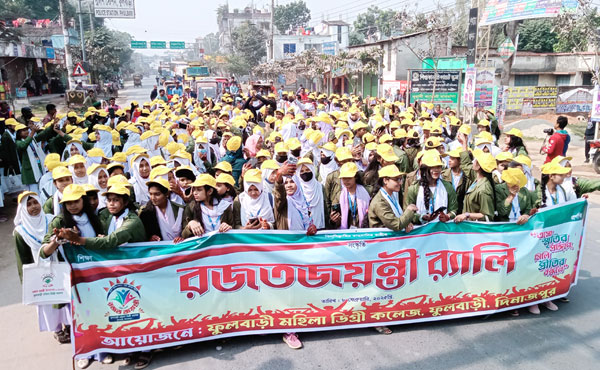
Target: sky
[{"x": 184, "y": 20}]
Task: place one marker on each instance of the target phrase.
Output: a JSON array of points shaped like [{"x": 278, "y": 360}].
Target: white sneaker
[{"x": 551, "y": 306}]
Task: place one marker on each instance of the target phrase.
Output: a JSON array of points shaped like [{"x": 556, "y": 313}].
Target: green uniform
[
  {"x": 188, "y": 215},
  {"x": 461, "y": 188},
  {"x": 131, "y": 231},
  {"x": 526, "y": 202},
  {"x": 586, "y": 186},
  {"x": 23, "y": 253},
  {"x": 479, "y": 197},
  {"x": 412, "y": 155},
  {"x": 27, "y": 176},
  {"x": 333, "y": 188},
  {"x": 452, "y": 208},
  {"x": 382, "y": 215},
  {"x": 9, "y": 155},
  {"x": 403, "y": 162}
]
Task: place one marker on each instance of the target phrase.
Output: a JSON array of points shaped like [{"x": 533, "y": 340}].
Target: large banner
[
  {"x": 446, "y": 84},
  {"x": 151, "y": 295},
  {"x": 534, "y": 97},
  {"x": 500, "y": 11}
]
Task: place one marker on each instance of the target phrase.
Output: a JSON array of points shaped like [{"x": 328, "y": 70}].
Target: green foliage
[
  {"x": 249, "y": 43},
  {"x": 366, "y": 23},
  {"x": 237, "y": 65},
  {"x": 355, "y": 38},
  {"x": 291, "y": 15},
  {"x": 537, "y": 35},
  {"x": 574, "y": 33},
  {"x": 108, "y": 51}
]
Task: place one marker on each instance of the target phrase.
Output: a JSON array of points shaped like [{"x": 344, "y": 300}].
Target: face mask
[
  {"x": 306, "y": 176},
  {"x": 295, "y": 152},
  {"x": 214, "y": 140},
  {"x": 281, "y": 158},
  {"x": 325, "y": 160}
]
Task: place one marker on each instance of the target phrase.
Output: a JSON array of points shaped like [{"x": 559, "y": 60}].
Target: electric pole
[
  {"x": 91, "y": 19},
  {"x": 68, "y": 60},
  {"x": 81, "y": 32},
  {"x": 271, "y": 41}
]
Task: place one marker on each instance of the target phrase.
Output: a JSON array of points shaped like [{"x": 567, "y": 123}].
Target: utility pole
[
  {"x": 91, "y": 19},
  {"x": 68, "y": 60},
  {"x": 271, "y": 41},
  {"x": 81, "y": 32}
]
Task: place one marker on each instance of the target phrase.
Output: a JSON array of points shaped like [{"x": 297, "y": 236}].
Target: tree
[
  {"x": 211, "y": 43},
  {"x": 355, "y": 38},
  {"x": 537, "y": 35},
  {"x": 291, "y": 16},
  {"x": 249, "y": 42}
]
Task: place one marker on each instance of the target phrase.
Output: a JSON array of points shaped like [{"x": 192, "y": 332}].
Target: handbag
[
  {"x": 46, "y": 282},
  {"x": 13, "y": 182}
]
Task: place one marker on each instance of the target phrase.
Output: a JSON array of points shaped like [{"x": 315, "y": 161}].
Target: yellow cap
[
  {"x": 514, "y": 176},
  {"x": 389, "y": 171},
  {"x": 552, "y": 168},
  {"x": 348, "y": 170},
  {"x": 206, "y": 179},
  {"x": 523, "y": 159},
  {"x": 159, "y": 181},
  {"x": 118, "y": 180},
  {"x": 558, "y": 159},
  {"x": 281, "y": 147},
  {"x": 329, "y": 146},
  {"x": 96, "y": 152},
  {"x": 72, "y": 192},
  {"x": 515, "y": 132},
  {"x": 504, "y": 156},
  {"x": 455, "y": 153},
  {"x": 465, "y": 129},
  {"x": 11, "y": 122},
  {"x": 483, "y": 122},
  {"x": 224, "y": 166},
  {"x": 269, "y": 164},
  {"x": 253, "y": 175},
  {"x": 234, "y": 143},
  {"x": 60, "y": 172},
  {"x": 117, "y": 189},
  {"x": 386, "y": 152},
  {"x": 431, "y": 158},
  {"x": 225, "y": 178},
  {"x": 89, "y": 188},
  {"x": 157, "y": 160},
  {"x": 343, "y": 154},
  {"x": 115, "y": 164},
  {"x": 385, "y": 138},
  {"x": 263, "y": 153},
  {"x": 293, "y": 143},
  {"x": 94, "y": 167},
  {"x": 20, "y": 126},
  {"x": 359, "y": 125},
  {"x": 485, "y": 160},
  {"x": 25, "y": 194},
  {"x": 433, "y": 142},
  {"x": 77, "y": 158}
]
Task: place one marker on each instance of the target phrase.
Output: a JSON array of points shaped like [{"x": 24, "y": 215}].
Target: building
[
  {"x": 328, "y": 38},
  {"x": 228, "y": 21}
]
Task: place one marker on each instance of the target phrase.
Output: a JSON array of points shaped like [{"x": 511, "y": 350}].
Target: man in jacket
[{"x": 559, "y": 141}]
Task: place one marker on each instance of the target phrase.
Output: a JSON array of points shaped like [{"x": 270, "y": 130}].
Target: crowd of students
[{"x": 167, "y": 171}]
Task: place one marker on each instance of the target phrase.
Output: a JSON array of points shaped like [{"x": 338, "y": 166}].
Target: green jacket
[
  {"x": 382, "y": 215},
  {"x": 131, "y": 231},
  {"x": 188, "y": 215},
  {"x": 23, "y": 254},
  {"x": 333, "y": 188},
  {"x": 411, "y": 153},
  {"x": 461, "y": 189},
  {"x": 48, "y": 206},
  {"x": 526, "y": 202},
  {"x": 27, "y": 176},
  {"x": 9, "y": 155},
  {"x": 586, "y": 186},
  {"x": 413, "y": 191},
  {"x": 403, "y": 163}
]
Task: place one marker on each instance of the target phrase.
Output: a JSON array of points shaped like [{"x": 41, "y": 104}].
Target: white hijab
[
  {"x": 35, "y": 154},
  {"x": 298, "y": 208},
  {"x": 313, "y": 193},
  {"x": 267, "y": 186},
  {"x": 31, "y": 228},
  {"x": 170, "y": 226},
  {"x": 252, "y": 208},
  {"x": 79, "y": 180},
  {"x": 93, "y": 177},
  {"x": 326, "y": 169},
  {"x": 67, "y": 152},
  {"x": 211, "y": 218},
  {"x": 105, "y": 142},
  {"x": 133, "y": 138},
  {"x": 139, "y": 183}
]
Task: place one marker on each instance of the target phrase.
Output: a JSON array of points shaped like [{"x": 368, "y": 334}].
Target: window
[
  {"x": 316, "y": 47},
  {"x": 289, "y": 49},
  {"x": 586, "y": 79},
  {"x": 526, "y": 80},
  {"x": 563, "y": 80}
]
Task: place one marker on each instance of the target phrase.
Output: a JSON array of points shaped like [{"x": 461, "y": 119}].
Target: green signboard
[
  {"x": 176, "y": 45},
  {"x": 197, "y": 71},
  {"x": 444, "y": 99},
  {"x": 139, "y": 45},
  {"x": 158, "y": 44}
]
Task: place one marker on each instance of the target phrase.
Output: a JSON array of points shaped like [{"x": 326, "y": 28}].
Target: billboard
[
  {"x": 447, "y": 86},
  {"x": 114, "y": 8},
  {"x": 500, "y": 11}
]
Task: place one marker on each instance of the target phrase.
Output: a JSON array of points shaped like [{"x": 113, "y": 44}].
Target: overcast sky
[{"x": 184, "y": 20}]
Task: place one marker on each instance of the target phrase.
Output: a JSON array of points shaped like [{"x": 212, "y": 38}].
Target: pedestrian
[
  {"x": 590, "y": 135},
  {"x": 558, "y": 143},
  {"x": 154, "y": 92}
]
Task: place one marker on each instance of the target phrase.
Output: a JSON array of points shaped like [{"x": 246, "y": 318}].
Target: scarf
[
  {"x": 211, "y": 218},
  {"x": 84, "y": 226},
  {"x": 56, "y": 202},
  {"x": 288, "y": 131},
  {"x": 456, "y": 179},
  {"x": 198, "y": 162},
  {"x": 530, "y": 179},
  {"x": 93, "y": 177},
  {"x": 251, "y": 145},
  {"x": 360, "y": 205},
  {"x": 105, "y": 142},
  {"x": 438, "y": 198},
  {"x": 392, "y": 201},
  {"x": 170, "y": 227},
  {"x": 36, "y": 159},
  {"x": 298, "y": 208},
  {"x": 267, "y": 186},
  {"x": 67, "y": 152},
  {"x": 31, "y": 228},
  {"x": 326, "y": 169},
  {"x": 515, "y": 209},
  {"x": 78, "y": 180},
  {"x": 133, "y": 138},
  {"x": 313, "y": 193},
  {"x": 139, "y": 183},
  {"x": 117, "y": 222},
  {"x": 47, "y": 188},
  {"x": 253, "y": 208},
  {"x": 560, "y": 198}
]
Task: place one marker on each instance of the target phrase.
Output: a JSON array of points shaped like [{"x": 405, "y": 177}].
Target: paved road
[{"x": 568, "y": 338}]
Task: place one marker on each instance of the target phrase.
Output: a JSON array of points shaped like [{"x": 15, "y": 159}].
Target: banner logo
[{"x": 123, "y": 299}]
